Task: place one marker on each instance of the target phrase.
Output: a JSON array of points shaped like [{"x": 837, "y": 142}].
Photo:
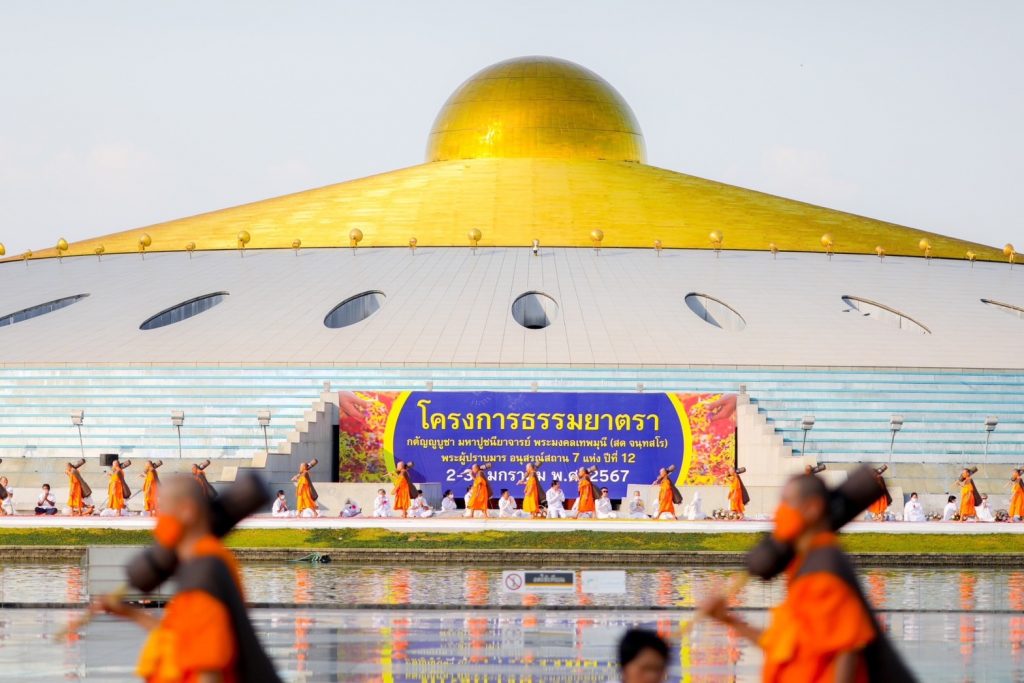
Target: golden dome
[{"x": 536, "y": 107}]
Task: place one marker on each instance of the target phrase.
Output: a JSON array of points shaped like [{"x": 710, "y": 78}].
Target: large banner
[{"x": 629, "y": 437}]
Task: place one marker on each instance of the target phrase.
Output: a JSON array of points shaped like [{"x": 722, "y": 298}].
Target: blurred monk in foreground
[
  {"x": 824, "y": 630},
  {"x": 204, "y": 634}
]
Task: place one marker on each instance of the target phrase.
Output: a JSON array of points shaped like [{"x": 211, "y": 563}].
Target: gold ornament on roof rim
[
  {"x": 1008, "y": 249},
  {"x": 244, "y": 237},
  {"x": 145, "y": 240},
  {"x": 3, "y": 249},
  {"x": 62, "y": 244},
  {"x": 924, "y": 245},
  {"x": 355, "y": 236},
  {"x": 474, "y": 235},
  {"x": 413, "y": 242},
  {"x": 826, "y": 240}
]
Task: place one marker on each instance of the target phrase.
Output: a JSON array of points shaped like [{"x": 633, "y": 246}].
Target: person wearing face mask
[
  {"x": 912, "y": 511},
  {"x": 825, "y": 629},
  {"x": 204, "y": 634}
]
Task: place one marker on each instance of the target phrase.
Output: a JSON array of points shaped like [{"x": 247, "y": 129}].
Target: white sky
[{"x": 115, "y": 115}]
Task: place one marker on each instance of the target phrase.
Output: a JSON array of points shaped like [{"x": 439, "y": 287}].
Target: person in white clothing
[
  {"x": 448, "y": 504},
  {"x": 949, "y": 512},
  {"x": 984, "y": 512},
  {"x": 507, "y": 505},
  {"x": 7, "y": 506},
  {"x": 280, "y": 507},
  {"x": 912, "y": 511},
  {"x": 556, "y": 502},
  {"x": 603, "y": 505},
  {"x": 420, "y": 507},
  {"x": 636, "y": 506},
  {"x": 46, "y": 504},
  {"x": 693, "y": 510},
  {"x": 381, "y": 504},
  {"x": 350, "y": 509}
]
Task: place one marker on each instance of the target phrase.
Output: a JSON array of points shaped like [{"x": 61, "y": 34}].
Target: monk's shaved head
[
  {"x": 807, "y": 487},
  {"x": 180, "y": 490}
]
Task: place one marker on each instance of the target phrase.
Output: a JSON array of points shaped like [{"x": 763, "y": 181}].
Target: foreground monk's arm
[
  {"x": 112, "y": 604},
  {"x": 717, "y": 607}
]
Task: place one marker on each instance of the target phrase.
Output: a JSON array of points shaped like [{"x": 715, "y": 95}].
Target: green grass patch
[{"x": 496, "y": 539}]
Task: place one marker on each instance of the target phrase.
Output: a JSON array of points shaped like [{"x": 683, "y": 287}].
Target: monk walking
[
  {"x": 150, "y": 484},
  {"x": 204, "y": 633},
  {"x": 1016, "y": 511},
  {"x": 78, "y": 491},
  {"x": 825, "y": 629},
  {"x": 479, "y": 498},
  {"x": 586, "y": 497},
  {"x": 969, "y": 496},
  {"x": 738, "y": 496},
  {"x": 199, "y": 474},
  {"x": 118, "y": 492},
  {"x": 531, "y": 495},
  {"x": 666, "y": 503},
  {"x": 401, "y": 491},
  {"x": 878, "y": 508},
  {"x": 305, "y": 493}
]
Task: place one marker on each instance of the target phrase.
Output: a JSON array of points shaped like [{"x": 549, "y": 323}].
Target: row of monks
[{"x": 80, "y": 494}]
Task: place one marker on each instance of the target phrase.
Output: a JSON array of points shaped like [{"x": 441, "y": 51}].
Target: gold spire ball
[{"x": 533, "y": 108}]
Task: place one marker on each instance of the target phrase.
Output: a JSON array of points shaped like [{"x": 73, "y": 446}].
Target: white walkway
[{"x": 459, "y": 524}]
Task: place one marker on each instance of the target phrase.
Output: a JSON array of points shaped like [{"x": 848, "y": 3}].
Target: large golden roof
[{"x": 533, "y": 148}]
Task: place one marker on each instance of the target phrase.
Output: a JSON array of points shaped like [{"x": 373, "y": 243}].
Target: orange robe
[
  {"x": 879, "y": 507},
  {"x": 967, "y": 499},
  {"x": 75, "y": 498},
  {"x": 665, "y": 503},
  {"x": 304, "y": 494},
  {"x": 115, "y": 491},
  {"x": 585, "y": 500},
  {"x": 195, "y": 635},
  {"x": 821, "y": 618},
  {"x": 149, "y": 487},
  {"x": 531, "y": 496},
  {"x": 736, "y": 496},
  {"x": 1016, "y": 501},
  {"x": 479, "y": 494},
  {"x": 401, "y": 492}
]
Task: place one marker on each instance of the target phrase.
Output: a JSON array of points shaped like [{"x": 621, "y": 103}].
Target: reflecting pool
[{"x": 343, "y": 623}]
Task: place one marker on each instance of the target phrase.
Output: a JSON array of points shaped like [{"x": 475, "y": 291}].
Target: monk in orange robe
[
  {"x": 401, "y": 490},
  {"x": 150, "y": 483},
  {"x": 968, "y": 494},
  {"x": 1016, "y": 511},
  {"x": 737, "y": 505},
  {"x": 666, "y": 505},
  {"x": 586, "y": 498},
  {"x": 204, "y": 633},
  {"x": 878, "y": 508},
  {"x": 78, "y": 491},
  {"x": 305, "y": 494},
  {"x": 479, "y": 493},
  {"x": 824, "y": 631},
  {"x": 118, "y": 492},
  {"x": 531, "y": 495}
]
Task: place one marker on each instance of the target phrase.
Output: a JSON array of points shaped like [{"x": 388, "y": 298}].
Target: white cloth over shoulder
[
  {"x": 507, "y": 507},
  {"x": 693, "y": 511},
  {"x": 604, "y": 509},
  {"x": 984, "y": 512},
  {"x": 280, "y": 508},
  {"x": 556, "y": 504},
  {"x": 913, "y": 512},
  {"x": 950, "y": 511}
]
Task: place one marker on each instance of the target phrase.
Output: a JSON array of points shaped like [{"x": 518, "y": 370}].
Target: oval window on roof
[
  {"x": 534, "y": 310},
  {"x": 883, "y": 314},
  {"x": 715, "y": 312},
  {"x": 183, "y": 311},
  {"x": 355, "y": 309},
  {"x": 1015, "y": 311},
  {"x": 40, "y": 309}
]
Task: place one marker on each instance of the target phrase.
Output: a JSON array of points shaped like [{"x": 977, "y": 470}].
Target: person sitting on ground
[
  {"x": 983, "y": 512},
  {"x": 643, "y": 657},
  {"x": 448, "y": 504},
  {"x": 420, "y": 507},
  {"x": 507, "y": 505},
  {"x": 556, "y": 501},
  {"x": 280, "y": 507},
  {"x": 693, "y": 511},
  {"x": 350, "y": 509},
  {"x": 949, "y": 513},
  {"x": 604, "y": 506},
  {"x": 636, "y": 506},
  {"x": 381, "y": 504},
  {"x": 46, "y": 504},
  {"x": 7, "y": 505},
  {"x": 912, "y": 511}
]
